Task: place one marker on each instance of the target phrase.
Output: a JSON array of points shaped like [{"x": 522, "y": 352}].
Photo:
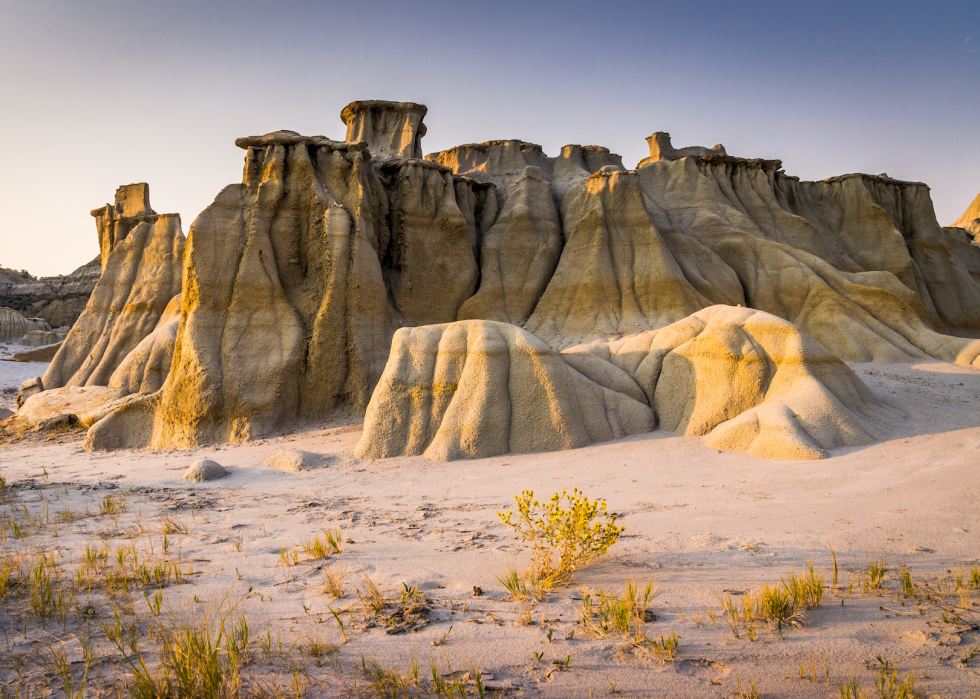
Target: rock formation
[
  {"x": 297, "y": 278},
  {"x": 970, "y": 220},
  {"x": 390, "y": 129},
  {"x": 748, "y": 380},
  {"x": 14, "y": 326},
  {"x": 58, "y": 300},
  {"x": 142, "y": 256},
  {"x": 474, "y": 389},
  {"x": 661, "y": 149},
  {"x": 285, "y": 312}
]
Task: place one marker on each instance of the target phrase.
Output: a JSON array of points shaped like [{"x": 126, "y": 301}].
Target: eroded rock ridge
[{"x": 498, "y": 261}]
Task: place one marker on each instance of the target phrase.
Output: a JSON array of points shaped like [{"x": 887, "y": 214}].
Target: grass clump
[
  {"x": 626, "y": 613},
  {"x": 198, "y": 658},
  {"x": 666, "y": 648},
  {"x": 807, "y": 589},
  {"x": 779, "y": 606},
  {"x": 874, "y": 578},
  {"x": 373, "y": 596},
  {"x": 333, "y": 579},
  {"x": 563, "y": 532}
]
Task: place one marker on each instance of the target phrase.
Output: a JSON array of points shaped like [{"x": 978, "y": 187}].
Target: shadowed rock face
[
  {"x": 14, "y": 326},
  {"x": 390, "y": 129},
  {"x": 59, "y": 300},
  {"x": 296, "y": 280}
]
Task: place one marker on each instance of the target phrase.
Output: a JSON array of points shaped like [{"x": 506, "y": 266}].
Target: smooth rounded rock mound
[
  {"x": 205, "y": 470},
  {"x": 293, "y": 460}
]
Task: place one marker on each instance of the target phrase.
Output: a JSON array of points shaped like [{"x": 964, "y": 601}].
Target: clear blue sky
[{"x": 97, "y": 94}]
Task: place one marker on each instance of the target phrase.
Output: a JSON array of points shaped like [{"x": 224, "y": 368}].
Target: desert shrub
[{"x": 563, "y": 532}]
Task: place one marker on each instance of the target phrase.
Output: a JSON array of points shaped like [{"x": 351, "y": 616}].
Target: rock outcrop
[
  {"x": 473, "y": 389},
  {"x": 390, "y": 129},
  {"x": 142, "y": 255},
  {"x": 285, "y": 313},
  {"x": 115, "y": 221},
  {"x": 88, "y": 403},
  {"x": 58, "y": 300},
  {"x": 970, "y": 220},
  {"x": 14, "y": 326},
  {"x": 749, "y": 381},
  {"x": 296, "y": 280},
  {"x": 661, "y": 149}
]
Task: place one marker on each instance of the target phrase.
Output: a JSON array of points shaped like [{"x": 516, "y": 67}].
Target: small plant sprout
[
  {"x": 666, "y": 648},
  {"x": 317, "y": 547},
  {"x": 538, "y": 656},
  {"x": 171, "y": 525},
  {"x": 874, "y": 578},
  {"x": 905, "y": 580},
  {"x": 626, "y": 613},
  {"x": 334, "y": 540},
  {"x": 340, "y": 622},
  {"x": 562, "y": 532},
  {"x": 333, "y": 579},
  {"x": 749, "y": 692},
  {"x": 411, "y": 595},
  {"x": 372, "y": 596},
  {"x": 289, "y": 557},
  {"x": 515, "y": 584},
  {"x": 441, "y": 641}
]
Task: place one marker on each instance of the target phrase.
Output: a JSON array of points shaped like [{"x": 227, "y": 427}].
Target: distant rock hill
[{"x": 58, "y": 300}]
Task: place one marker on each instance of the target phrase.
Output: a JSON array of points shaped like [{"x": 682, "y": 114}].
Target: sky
[{"x": 98, "y": 93}]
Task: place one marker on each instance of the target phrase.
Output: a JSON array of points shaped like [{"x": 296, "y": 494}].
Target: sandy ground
[
  {"x": 12, "y": 374},
  {"x": 699, "y": 524}
]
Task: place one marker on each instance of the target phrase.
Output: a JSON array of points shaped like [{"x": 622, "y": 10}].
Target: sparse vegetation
[
  {"x": 625, "y": 613},
  {"x": 874, "y": 577},
  {"x": 373, "y": 596},
  {"x": 334, "y": 577},
  {"x": 563, "y": 532},
  {"x": 666, "y": 648}
]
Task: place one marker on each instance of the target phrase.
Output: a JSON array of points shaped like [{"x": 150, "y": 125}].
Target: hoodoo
[{"x": 544, "y": 302}]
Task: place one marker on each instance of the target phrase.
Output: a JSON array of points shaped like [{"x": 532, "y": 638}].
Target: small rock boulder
[
  {"x": 29, "y": 388},
  {"x": 4, "y": 413},
  {"x": 205, "y": 470},
  {"x": 294, "y": 460}
]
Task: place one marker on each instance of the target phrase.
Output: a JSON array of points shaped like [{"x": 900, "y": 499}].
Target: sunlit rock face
[
  {"x": 142, "y": 258},
  {"x": 296, "y": 280}
]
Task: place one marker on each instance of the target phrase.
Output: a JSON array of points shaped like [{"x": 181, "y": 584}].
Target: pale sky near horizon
[{"x": 96, "y": 94}]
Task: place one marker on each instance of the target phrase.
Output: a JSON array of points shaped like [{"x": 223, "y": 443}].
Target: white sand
[{"x": 697, "y": 522}]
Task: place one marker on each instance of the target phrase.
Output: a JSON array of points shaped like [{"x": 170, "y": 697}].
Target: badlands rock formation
[
  {"x": 970, "y": 220},
  {"x": 748, "y": 380},
  {"x": 14, "y": 326},
  {"x": 58, "y": 300},
  {"x": 297, "y": 279},
  {"x": 141, "y": 254},
  {"x": 474, "y": 389}
]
